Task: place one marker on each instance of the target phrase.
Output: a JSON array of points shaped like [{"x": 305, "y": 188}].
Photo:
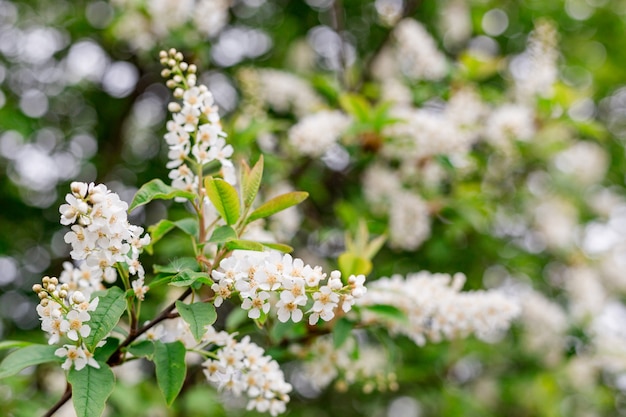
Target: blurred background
[{"x": 543, "y": 218}]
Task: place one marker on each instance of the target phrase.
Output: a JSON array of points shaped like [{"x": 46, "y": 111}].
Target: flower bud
[
  {"x": 177, "y": 78},
  {"x": 171, "y": 63},
  {"x": 173, "y": 107},
  {"x": 78, "y": 297},
  {"x": 62, "y": 293},
  {"x": 179, "y": 56},
  {"x": 162, "y": 54},
  {"x": 170, "y": 84},
  {"x": 51, "y": 287},
  {"x": 37, "y": 288},
  {"x": 179, "y": 92},
  {"x": 165, "y": 73},
  {"x": 42, "y": 295},
  {"x": 172, "y": 52},
  {"x": 183, "y": 66},
  {"x": 192, "y": 69}
]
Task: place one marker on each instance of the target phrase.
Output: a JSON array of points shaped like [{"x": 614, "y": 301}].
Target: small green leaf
[
  {"x": 341, "y": 331},
  {"x": 224, "y": 197},
  {"x": 104, "y": 352},
  {"x": 252, "y": 181},
  {"x": 187, "y": 277},
  {"x": 27, "y": 356},
  {"x": 350, "y": 264},
  {"x": 169, "y": 360},
  {"x": 157, "y": 231},
  {"x": 157, "y": 190},
  {"x": 356, "y": 106},
  {"x": 188, "y": 225},
  {"x": 388, "y": 312},
  {"x": 10, "y": 344},
  {"x": 90, "y": 389},
  {"x": 278, "y": 246},
  {"x": 197, "y": 315},
  {"x": 244, "y": 245},
  {"x": 142, "y": 349},
  {"x": 223, "y": 234},
  {"x": 111, "y": 306},
  {"x": 176, "y": 266},
  {"x": 277, "y": 204}
]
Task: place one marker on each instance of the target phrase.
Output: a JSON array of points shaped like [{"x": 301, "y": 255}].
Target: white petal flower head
[{"x": 288, "y": 307}]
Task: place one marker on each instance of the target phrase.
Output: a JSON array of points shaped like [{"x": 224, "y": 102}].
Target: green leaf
[
  {"x": 188, "y": 225},
  {"x": 224, "y": 197},
  {"x": 244, "y": 245},
  {"x": 277, "y": 204},
  {"x": 350, "y": 264},
  {"x": 159, "y": 230},
  {"x": 27, "y": 356},
  {"x": 187, "y": 277},
  {"x": 176, "y": 266},
  {"x": 157, "y": 190},
  {"x": 197, "y": 315},
  {"x": 104, "y": 352},
  {"x": 90, "y": 389},
  {"x": 251, "y": 181},
  {"x": 10, "y": 344},
  {"x": 111, "y": 306},
  {"x": 222, "y": 234},
  {"x": 356, "y": 106},
  {"x": 388, "y": 312},
  {"x": 142, "y": 349},
  {"x": 341, "y": 331},
  {"x": 169, "y": 360},
  {"x": 278, "y": 246}
]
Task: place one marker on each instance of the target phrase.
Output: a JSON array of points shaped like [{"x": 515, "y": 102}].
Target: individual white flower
[
  {"x": 73, "y": 325},
  {"x": 139, "y": 288},
  {"x": 325, "y": 302},
  {"x": 288, "y": 307},
  {"x": 77, "y": 356}
]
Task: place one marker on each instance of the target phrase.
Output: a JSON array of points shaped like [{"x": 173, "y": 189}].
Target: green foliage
[
  {"x": 198, "y": 316},
  {"x": 91, "y": 387},
  {"x": 111, "y": 306},
  {"x": 157, "y": 190},
  {"x": 27, "y": 356},
  {"x": 169, "y": 360}
]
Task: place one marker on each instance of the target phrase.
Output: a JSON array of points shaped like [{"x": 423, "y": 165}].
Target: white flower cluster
[
  {"x": 143, "y": 23},
  {"x": 323, "y": 364},
  {"x": 281, "y": 91},
  {"x": 257, "y": 276},
  {"x": 101, "y": 236},
  {"x": 194, "y": 135},
  {"x": 242, "y": 367},
  {"x": 64, "y": 315},
  {"x": 316, "y": 133},
  {"x": 508, "y": 123},
  {"x": 414, "y": 54},
  {"x": 436, "y": 309}
]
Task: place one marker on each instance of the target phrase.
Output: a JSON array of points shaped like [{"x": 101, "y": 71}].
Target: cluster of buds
[{"x": 65, "y": 316}]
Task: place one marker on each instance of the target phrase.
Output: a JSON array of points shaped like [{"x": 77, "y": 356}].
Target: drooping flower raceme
[
  {"x": 65, "y": 315},
  {"x": 242, "y": 367},
  {"x": 265, "y": 279},
  {"x": 100, "y": 235},
  {"x": 194, "y": 135},
  {"x": 436, "y": 309}
]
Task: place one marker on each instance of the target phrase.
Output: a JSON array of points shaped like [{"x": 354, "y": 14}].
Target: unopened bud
[
  {"x": 172, "y": 52},
  {"x": 171, "y": 63},
  {"x": 179, "y": 92},
  {"x": 173, "y": 107},
  {"x": 179, "y": 56},
  {"x": 165, "y": 73},
  {"x": 78, "y": 297},
  {"x": 42, "y": 295},
  {"x": 192, "y": 69},
  {"x": 162, "y": 54},
  {"x": 62, "y": 293},
  {"x": 177, "y": 78},
  {"x": 170, "y": 84},
  {"x": 51, "y": 287},
  {"x": 183, "y": 66},
  {"x": 37, "y": 288}
]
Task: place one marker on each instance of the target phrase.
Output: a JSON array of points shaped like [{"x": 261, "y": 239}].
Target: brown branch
[{"x": 66, "y": 396}]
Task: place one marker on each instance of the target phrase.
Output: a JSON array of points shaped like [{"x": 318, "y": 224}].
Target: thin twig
[{"x": 66, "y": 396}]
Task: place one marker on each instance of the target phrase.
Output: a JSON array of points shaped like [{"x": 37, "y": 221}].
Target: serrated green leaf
[
  {"x": 157, "y": 190},
  {"x": 222, "y": 234},
  {"x": 90, "y": 389},
  {"x": 142, "y": 349},
  {"x": 224, "y": 197},
  {"x": 169, "y": 360},
  {"x": 277, "y": 204},
  {"x": 10, "y": 344},
  {"x": 111, "y": 306},
  {"x": 350, "y": 264},
  {"x": 341, "y": 331},
  {"x": 252, "y": 181},
  {"x": 388, "y": 312},
  {"x": 278, "y": 246},
  {"x": 188, "y": 225},
  {"x": 197, "y": 315},
  {"x": 244, "y": 245},
  {"x": 27, "y": 356},
  {"x": 187, "y": 277}
]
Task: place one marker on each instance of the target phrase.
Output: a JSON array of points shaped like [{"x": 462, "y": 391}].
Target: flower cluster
[
  {"x": 65, "y": 315},
  {"x": 324, "y": 363},
  {"x": 194, "y": 135},
  {"x": 101, "y": 236},
  {"x": 436, "y": 309},
  {"x": 315, "y": 134},
  {"x": 243, "y": 367},
  {"x": 256, "y": 276}
]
